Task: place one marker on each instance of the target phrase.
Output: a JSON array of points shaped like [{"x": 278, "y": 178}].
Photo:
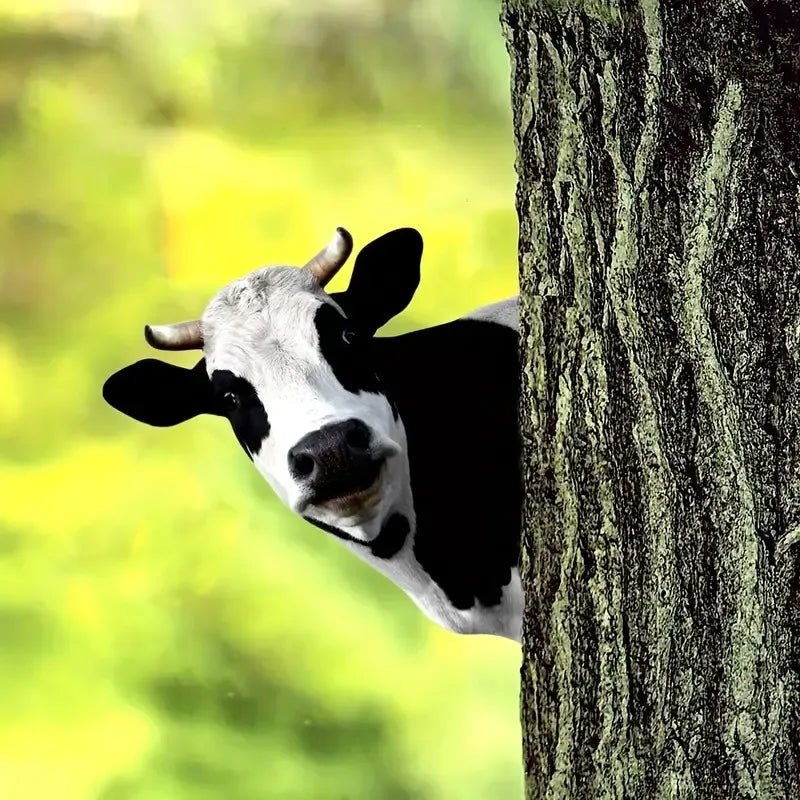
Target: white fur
[{"x": 504, "y": 312}]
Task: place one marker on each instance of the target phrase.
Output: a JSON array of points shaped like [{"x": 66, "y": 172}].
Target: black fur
[
  {"x": 456, "y": 387},
  {"x": 387, "y": 544},
  {"x": 346, "y": 350},
  {"x": 248, "y": 417}
]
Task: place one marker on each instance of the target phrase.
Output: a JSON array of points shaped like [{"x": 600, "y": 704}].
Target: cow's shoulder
[{"x": 504, "y": 312}]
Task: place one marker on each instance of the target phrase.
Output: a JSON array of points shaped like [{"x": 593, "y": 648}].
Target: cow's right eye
[{"x": 230, "y": 402}]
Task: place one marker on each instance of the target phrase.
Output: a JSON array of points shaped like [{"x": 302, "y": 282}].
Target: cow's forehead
[
  {"x": 270, "y": 306},
  {"x": 269, "y": 290},
  {"x": 272, "y": 296}
]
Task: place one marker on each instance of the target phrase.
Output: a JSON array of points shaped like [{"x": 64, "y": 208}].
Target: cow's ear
[
  {"x": 385, "y": 277},
  {"x": 161, "y": 394}
]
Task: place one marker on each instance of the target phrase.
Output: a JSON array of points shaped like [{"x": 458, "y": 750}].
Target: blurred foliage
[{"x": 167, "y": 629}]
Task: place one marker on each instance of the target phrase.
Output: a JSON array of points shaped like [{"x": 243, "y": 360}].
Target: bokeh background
[{"x": 167, "y": 629}]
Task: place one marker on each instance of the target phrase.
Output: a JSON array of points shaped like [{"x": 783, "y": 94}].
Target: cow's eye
[
  {"x": 230, "y": 402},
  {"x": 349, "y": 336}
]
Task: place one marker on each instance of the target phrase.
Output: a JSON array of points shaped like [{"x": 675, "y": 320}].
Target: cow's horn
[
  {"x": 327, "y": 262},
  {"x": 180, "y": 336}
]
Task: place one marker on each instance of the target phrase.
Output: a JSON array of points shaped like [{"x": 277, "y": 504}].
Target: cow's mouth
[{"x": 356, "y": 503}]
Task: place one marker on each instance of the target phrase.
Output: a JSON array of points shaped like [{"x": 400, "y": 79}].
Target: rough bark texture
[{"x": 658, "y": 159}]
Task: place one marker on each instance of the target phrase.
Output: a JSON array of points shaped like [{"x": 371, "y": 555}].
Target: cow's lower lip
[{"x": 355, "y": 502}]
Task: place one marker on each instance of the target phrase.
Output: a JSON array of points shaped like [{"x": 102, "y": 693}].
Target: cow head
[{"x": 291, "y": 368}]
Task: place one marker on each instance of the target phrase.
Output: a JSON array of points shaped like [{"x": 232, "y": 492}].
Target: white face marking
[{"x": 262, "y": 328}]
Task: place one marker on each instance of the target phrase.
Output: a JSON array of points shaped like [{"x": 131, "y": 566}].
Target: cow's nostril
[
  {"x": 357, "y": 437},
  {"x": 302, "y": 464}
]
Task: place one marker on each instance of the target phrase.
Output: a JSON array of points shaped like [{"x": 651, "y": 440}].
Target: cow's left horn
[
  {"x": 329, "y": 260},
  {"x": 180, "y": 336}
]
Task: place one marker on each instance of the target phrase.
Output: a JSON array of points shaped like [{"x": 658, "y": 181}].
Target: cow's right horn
[
  {"x": 329, "y": 260},
  {"x": 180, "y": 336}
]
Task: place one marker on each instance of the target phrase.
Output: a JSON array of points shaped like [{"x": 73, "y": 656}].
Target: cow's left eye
[
  {"x": 230, "y": 402},
  {"x": 348, "y": 336}
]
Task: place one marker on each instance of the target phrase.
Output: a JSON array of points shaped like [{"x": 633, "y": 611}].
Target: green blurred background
[{"x": 167, "y": 629}]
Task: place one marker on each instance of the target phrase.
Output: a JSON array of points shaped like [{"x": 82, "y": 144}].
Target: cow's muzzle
[{"x": 339, "y": 466}]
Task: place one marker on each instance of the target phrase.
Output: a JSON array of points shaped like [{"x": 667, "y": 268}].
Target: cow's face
[{"x": 291, "y": 368}]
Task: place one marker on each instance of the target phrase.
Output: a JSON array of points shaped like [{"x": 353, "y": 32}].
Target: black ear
[
  {"x": 385, "y": 277},
  {"x": 161, "y": 394}
]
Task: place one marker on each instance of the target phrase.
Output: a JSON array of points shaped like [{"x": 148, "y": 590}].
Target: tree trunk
[{"x": 658, "y": 151}]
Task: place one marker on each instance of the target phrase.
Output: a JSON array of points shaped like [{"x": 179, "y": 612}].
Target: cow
[{"x": 406, "y": 448}]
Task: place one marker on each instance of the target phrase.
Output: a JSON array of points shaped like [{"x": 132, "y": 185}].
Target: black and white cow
[{"x": 406, "y": 447}]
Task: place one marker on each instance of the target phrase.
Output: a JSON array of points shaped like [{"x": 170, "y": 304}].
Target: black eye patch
[
  {"x": 236, "y": 399},
  {"x": 346, "y": 350}
]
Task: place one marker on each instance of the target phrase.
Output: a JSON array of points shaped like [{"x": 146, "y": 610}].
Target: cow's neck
[{"x": 455, "y": 388}]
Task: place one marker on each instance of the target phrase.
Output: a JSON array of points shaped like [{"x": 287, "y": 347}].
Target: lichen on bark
[{"x": 658, "y": 154}]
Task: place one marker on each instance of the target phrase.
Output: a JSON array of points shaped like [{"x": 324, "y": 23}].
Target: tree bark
[{"x": 658, "y": 148}]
